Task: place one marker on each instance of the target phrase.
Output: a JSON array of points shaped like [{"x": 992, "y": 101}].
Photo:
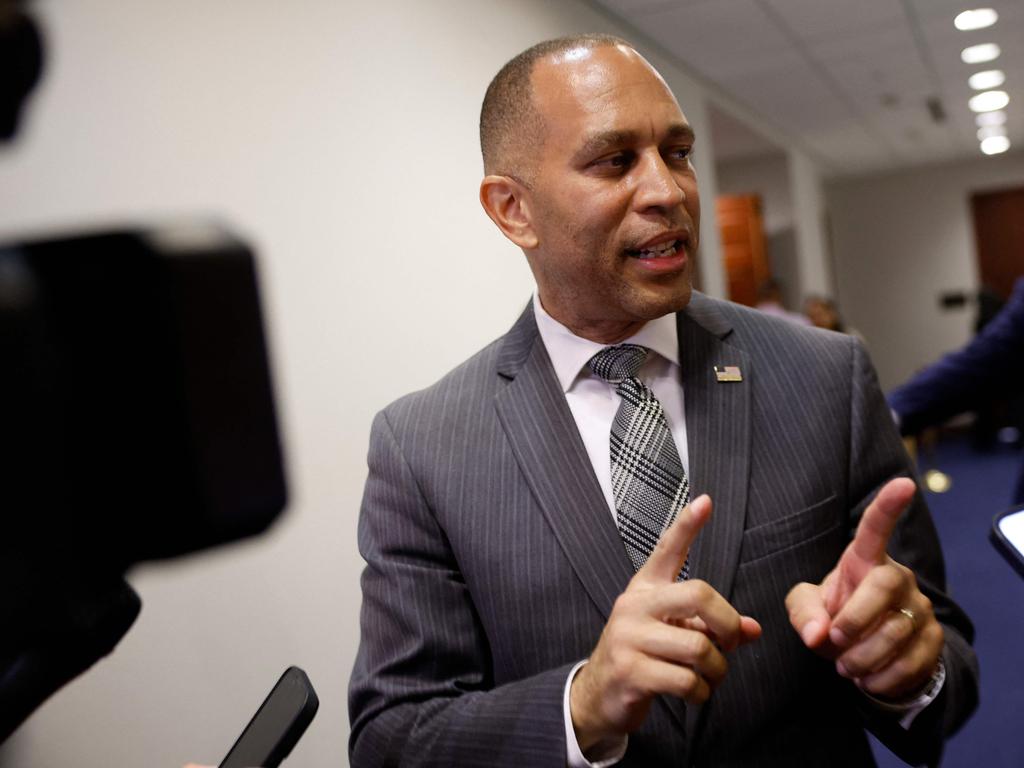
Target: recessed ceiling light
[
  {"x": 988, "y": 131},
  {"x": 997, "y": 117},
  {"x": 990, "y": 78},
  {"x": 994, "y": 145},
  {"x": 976, "y": 54},
  {"x": 979, "y": 18},
  {"x": 988, "y": 101}
]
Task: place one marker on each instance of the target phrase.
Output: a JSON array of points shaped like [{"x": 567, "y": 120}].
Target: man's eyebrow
[
  {"x": 598, "y": 143},
  {"x": 681, "y": 132},
  {"x": 603, "y": 141}
]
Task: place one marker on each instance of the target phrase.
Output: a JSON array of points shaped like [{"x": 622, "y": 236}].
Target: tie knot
[{"x": 618, "y": 363}]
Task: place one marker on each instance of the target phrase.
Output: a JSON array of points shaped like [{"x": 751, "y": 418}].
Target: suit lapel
[
  {"x": 546, "y": 443},
  {"x": 718, "y": 438}
]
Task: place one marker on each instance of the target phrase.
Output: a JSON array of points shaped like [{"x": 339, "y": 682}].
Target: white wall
[
  {"x": 768, "y": 177},
  {"x": 809, "y": 224},
  {"x": 902, "y": 239},
  {"x": 340, "y": 139},
  {"x": 793, "y": 209},
  {"x": 764, "y": 175}
]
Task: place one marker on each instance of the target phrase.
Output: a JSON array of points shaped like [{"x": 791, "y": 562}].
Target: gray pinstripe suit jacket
[{"x": 492, "y": 561}]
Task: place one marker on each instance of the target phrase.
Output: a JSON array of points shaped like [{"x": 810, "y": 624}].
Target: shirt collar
[{"x": 569, "y": 353}]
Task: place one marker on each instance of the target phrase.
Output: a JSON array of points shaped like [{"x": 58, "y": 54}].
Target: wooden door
[
  {"x": 999, "y": 235},
  {"x": 743, "y": 246}
]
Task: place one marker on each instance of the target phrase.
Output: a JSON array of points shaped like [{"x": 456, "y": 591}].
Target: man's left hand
[{"x": 868, "y": 613}]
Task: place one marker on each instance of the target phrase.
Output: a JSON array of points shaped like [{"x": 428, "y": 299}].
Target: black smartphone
[
  {"x": 1008, "y": 536},
  {"x": 277, "y": 725}
]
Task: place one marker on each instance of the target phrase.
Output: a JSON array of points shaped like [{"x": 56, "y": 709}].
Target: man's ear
[{"x": 506, "y": 201}]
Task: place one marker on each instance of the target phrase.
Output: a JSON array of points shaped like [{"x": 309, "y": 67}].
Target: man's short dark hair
[{"x": 509, "y": 122}]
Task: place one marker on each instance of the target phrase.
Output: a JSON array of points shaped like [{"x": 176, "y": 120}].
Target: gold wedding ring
[{"x": 910, "y": 615}]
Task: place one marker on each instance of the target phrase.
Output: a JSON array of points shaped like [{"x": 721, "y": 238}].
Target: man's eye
[
  {"x": 617, "y": 162},
  {"x": 680, "y": 154}
]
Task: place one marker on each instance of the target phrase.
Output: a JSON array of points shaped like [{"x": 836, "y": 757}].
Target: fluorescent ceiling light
[
  {"x": 990, "y": 78},
  {"x": 979, "y": 18},
  {"x": 988, "y": 101},
  {"x": 988, "y": 131},
  {"x": 997, "y": 117},
  {"x": 994, "y": 145},
  {"x": 976, "y": 54}
]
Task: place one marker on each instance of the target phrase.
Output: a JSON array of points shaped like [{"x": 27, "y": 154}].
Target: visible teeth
[{"x": 665, "y": 249}]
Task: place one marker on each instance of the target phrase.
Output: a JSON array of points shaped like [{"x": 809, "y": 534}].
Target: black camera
[{"x": 136, "y": 422}]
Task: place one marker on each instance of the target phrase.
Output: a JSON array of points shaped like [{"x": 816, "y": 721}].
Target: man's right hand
[{"x": 663, "y": 637}]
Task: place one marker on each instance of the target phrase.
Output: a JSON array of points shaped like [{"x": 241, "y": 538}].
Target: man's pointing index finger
[
  {"x": 879, "y": 520},
  {"x": 667, "y": 559}
]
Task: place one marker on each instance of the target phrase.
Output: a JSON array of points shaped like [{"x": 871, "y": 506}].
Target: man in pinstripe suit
[{"x": 816, "y": 602}]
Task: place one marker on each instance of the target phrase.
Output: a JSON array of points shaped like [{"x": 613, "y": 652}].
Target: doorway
[{"x": 999, "y": 237}]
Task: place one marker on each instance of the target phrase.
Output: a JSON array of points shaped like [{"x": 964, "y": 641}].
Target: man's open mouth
[{"x": 660, "y": 251}]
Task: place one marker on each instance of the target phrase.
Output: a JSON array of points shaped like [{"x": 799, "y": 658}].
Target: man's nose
[{"x": 657, "y": 186}]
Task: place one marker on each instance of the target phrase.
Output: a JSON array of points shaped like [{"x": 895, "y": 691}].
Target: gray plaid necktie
[{"x": 648, "y": 480}]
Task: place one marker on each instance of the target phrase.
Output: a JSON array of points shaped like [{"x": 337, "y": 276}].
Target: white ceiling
[
  {"x": 848, "y": 80},
  {"x": 735, "y": 141}
]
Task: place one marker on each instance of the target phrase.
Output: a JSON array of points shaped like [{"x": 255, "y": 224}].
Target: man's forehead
[
  {"x": 600, "y": 98},
  {"x": 586, "y": 78},
  {"x": 584, "y": 52}
]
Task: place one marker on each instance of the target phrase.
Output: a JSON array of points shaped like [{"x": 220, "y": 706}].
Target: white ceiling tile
[
  {"x": 948, "y": 9},
  {"x": 910, "y": 127},
  {"x": 893, "y": 44},
  {"x": 793, "y": 97},
  {"x": 848, "y": 148},
  {"x": 814, "y": 20},
  {"x": 733, "y": 139},
  {"x": 878, "y": 91},
  {"x": 717, "y": 38},
  {"x": 636, "y": 8}
]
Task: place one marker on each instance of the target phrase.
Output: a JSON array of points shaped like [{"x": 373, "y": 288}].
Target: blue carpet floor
[{"x": 991, "y": 592}]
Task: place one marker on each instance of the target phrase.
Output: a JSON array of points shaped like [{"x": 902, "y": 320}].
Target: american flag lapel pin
[{"x": 728, "y": 373}]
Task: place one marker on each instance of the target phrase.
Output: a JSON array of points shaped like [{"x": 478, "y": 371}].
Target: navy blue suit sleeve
[{"x": 991, "y": 364}]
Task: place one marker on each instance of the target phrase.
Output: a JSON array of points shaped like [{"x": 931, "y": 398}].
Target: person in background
[
  {"x": 990, "y": 365},
  {"x": 769, "y": 301},
  {"x": 823, "y": 313}
]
